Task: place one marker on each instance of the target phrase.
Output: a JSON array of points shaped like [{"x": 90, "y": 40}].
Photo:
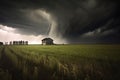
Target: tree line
[{"x": 15, "y": 43}]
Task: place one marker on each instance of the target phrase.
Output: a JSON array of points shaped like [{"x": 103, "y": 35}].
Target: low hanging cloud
[
  {"x": 106, "y": 29},
  {"x": 98, "y": 33},
  {"x": 10, "y": 34}
]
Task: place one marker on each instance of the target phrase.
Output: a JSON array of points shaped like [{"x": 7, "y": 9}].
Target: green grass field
[{"x": 60, "y": 62}]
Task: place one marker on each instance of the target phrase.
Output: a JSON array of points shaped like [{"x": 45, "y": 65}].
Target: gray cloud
[{"x": 72, "y": 18}]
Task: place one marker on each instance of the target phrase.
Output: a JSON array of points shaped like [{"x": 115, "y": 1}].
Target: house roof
[{"x": 47, "y": 39}]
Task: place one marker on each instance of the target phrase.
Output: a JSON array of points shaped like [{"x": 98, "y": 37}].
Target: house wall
[{"x": 47, "y": 42}]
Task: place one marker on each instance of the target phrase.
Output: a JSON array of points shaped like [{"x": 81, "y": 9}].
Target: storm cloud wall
[{"x": 75, "y": 21}]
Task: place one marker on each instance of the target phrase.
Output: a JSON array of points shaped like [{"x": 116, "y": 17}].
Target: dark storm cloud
[{"x": 74, "y": 18}]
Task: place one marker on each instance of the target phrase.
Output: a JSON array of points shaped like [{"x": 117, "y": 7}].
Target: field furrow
[{"x": 60, "y": 62}]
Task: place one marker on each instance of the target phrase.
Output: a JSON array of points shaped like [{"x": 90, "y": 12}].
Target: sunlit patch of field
[{"x": 60, "y": 62}]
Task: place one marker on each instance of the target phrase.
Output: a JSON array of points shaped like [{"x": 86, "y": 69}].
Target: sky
[{"x": 66, "y": 21}]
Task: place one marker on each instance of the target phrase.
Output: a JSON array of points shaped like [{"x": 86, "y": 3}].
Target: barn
[{"x": 47, "y": 41}]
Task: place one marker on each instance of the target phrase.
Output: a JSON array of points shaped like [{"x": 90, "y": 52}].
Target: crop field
[{"x": 60, "y": 62}]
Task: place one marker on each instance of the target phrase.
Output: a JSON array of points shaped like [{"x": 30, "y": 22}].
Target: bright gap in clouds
[{"x": 8, "y": 34}]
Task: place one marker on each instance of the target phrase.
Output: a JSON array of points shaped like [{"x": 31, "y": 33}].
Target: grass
[{"x": 60, "y": 62}]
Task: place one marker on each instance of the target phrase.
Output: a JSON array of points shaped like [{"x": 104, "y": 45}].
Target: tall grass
[
  {"x": 4, "y": 74},
  {"x": 63, "y": 62}
]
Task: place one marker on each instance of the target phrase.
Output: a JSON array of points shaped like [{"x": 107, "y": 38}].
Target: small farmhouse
[
  {"x": 1, "y": 43},
  {"x": 47, "y": 41}
]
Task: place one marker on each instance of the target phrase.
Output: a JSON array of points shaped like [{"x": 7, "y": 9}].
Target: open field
[{"x": 60, "y": 62}]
